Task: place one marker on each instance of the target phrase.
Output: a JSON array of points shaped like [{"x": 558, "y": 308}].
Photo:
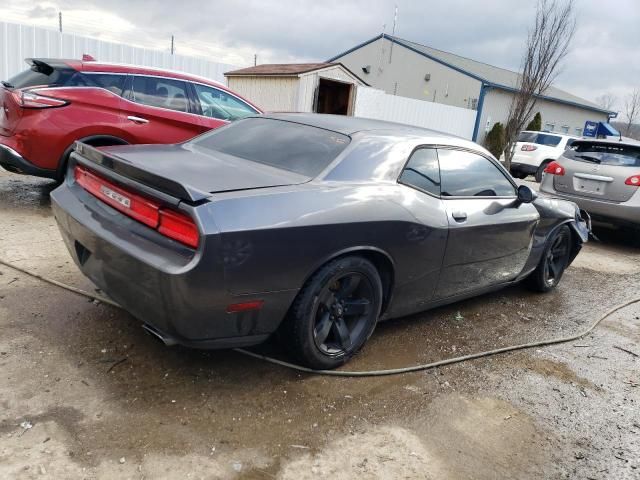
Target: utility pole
[
  {"x": 172, "y": 49},
  {"x": 393, "y": 31},
  {"x": 60, "y": 21},
  {"x": 255, "y": 59}
]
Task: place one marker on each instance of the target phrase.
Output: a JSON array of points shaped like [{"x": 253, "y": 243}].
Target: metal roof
[
  {"x": 488, "y": 74},
  {"x": 281, "y": 69}
]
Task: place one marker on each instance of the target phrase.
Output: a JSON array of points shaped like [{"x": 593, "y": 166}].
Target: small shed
[{"x": 298, "y": 87}]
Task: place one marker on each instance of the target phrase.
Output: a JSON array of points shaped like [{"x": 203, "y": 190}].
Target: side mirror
[{"x": 526, "y": 195}]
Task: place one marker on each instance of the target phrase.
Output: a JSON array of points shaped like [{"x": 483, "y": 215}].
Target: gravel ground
[{"x": 85, "y": 393}]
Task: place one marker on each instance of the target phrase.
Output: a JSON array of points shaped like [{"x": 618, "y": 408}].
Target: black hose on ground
[{"x": 370, "y": 373}]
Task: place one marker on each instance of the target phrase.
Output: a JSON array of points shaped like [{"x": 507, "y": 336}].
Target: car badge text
[{"x": 121, "y": 199}]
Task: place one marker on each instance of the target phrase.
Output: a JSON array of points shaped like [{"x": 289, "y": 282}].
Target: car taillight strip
[
  {"x": 175, "y": 225},
  {"x": 27, "y": 99},
  {"x": 178, "y": 226}
]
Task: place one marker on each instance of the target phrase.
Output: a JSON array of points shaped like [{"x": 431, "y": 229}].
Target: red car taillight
[
  {"x": 27, "y": 99},
  {"x": 528, "y": 148},
  {"x": 129, "y": 203},
  {"x": 172, "y": 224},
  {"x": 178, "y": 226},
  {"x": 633, "y": 180},
  {"x": 554, "y": 168}
]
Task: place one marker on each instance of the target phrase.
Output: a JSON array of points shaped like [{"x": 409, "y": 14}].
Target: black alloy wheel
[
  {"x": 342, "y": 312},
  {"x": 334, "y": 313},
  {"x": 554, "y": 261}
]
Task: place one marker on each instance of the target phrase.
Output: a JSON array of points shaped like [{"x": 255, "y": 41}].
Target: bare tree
[
  {"x": 606, "y": 101},
  {"x": 547, "y": 45},
  {"x": 631, "y": 109}
]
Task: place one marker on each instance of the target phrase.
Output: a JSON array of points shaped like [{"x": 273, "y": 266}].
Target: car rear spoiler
[
  {"x": 123, "y": 167},
  {"x": 40, "y": 66}
]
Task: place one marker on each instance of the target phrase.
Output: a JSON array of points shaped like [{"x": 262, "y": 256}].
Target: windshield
[
  {"x": 286, "y": 145},
  {"x": 606, "y": 154},
  {"x": 539, "y": 138}
]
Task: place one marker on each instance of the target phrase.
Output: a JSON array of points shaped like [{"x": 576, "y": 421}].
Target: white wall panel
[
  {"x": 18, "y": 42},
  {"x": 272, "y": 94},
  {"x": 374, "y": 103}
]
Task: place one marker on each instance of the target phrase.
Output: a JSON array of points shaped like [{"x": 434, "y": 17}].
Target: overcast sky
[{"x": 605, "y": 55}]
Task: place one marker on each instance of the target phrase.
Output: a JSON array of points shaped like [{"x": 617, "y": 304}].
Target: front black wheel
[
  {"x": 553, "y": 263},
  {"x": 335, "y": 313}
]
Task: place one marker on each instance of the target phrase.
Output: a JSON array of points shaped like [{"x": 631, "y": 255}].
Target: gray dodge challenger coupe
[{"x": 315, "y": 226}]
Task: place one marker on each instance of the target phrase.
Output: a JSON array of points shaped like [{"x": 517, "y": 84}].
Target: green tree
[
  {"x": 495, "y": 141},
  {"x": 536, "y": 123}
]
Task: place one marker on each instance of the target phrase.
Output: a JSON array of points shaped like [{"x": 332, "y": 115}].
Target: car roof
[
  {"x": 348, "y": 125},
  {"x": 113, "y": 67}
]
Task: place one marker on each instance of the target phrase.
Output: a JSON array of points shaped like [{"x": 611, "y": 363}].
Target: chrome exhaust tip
[{"x": 168, "y": 341}]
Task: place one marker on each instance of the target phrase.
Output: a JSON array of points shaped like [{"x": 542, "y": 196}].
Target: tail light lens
[
  {"x": 135, "y": 206},
  {"x": 528, "y": 148},
  {"x": 554, "y": 168},
  {"x": 172, "y": 224},
  {"x": 29, "y": 99},
  {"x": 178, "y": 226},
  {"x": 633, "y": 180}
]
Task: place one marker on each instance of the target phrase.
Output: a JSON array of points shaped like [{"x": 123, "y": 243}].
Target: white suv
[{"x": 534, "y": 150}]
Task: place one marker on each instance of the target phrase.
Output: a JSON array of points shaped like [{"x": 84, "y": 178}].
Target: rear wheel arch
[
  {"x": 378, "y": 257},
  {"x": 94, "y": 141}
]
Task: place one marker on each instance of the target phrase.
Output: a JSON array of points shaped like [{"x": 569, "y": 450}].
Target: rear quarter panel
[
  {"x": 91, "y": 111},
  {"x": 275, "y": 241}
]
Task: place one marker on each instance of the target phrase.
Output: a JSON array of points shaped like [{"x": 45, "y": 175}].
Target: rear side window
[
  {"x": 605, "y": 154},
  {"x": 285, "y": 145},
  {"x": 216, "y": 103},
  {"x": 47, "y": 77},
  {"x": 160, "y": 92},
  {"x": 540, "y": 138},
  {"x": 466, "y": 174},
  {"x": 422, "y": 171},
  {"x": 109, "y": 81}
]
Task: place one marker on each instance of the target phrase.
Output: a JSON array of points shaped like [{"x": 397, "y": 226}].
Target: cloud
[
  {"x": 603, "y": 58},
  {"x": 42, "y": 11}
]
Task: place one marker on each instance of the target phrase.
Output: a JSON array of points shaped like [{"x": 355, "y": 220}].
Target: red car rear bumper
[{"x": 12, "y": 160}]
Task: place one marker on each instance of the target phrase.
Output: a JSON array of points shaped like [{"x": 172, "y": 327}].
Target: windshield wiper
[
  {"x": 589, "y": 159},
  {"x": 6, "y": 84}
]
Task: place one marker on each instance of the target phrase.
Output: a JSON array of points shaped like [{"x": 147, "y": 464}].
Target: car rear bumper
[
  {"x": 13, "y": 161},
  {"x": 179, "y": 295},
  {"x": 624, "y": 212}
]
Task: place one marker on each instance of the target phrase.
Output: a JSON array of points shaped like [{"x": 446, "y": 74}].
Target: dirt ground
[{"x": 85, "y": 393}]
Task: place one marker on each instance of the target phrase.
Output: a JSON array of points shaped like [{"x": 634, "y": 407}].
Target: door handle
[
  {"x": 137, "y": 119},
  {"x": 459, "y": 216}
]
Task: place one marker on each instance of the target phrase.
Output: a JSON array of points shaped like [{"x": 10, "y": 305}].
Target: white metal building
[
  {"x": 409, "y": 69},
  {"x": 298, "y": 87}
]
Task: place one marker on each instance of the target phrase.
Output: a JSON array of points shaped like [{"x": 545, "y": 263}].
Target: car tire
[
  {"x": 540, "y": 170},
  {"x": 554, "y": 261},
  {"x": 334, "y": 314},
  {"x": 519, "y": 175}
]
